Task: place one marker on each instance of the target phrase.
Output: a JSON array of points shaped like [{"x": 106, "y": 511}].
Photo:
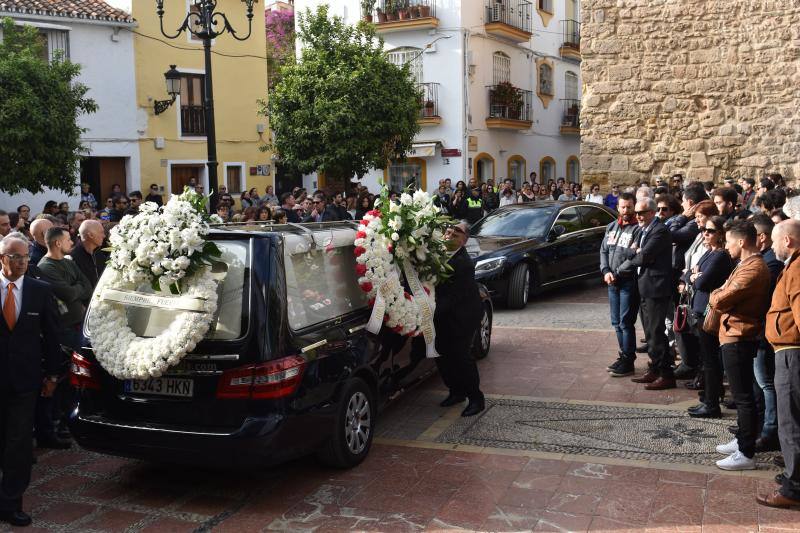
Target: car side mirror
[{"x": 557, "y": 231}]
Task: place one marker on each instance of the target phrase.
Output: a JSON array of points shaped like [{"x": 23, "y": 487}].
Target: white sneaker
[
  {"x": 736, "y": 461},
  {"x": 728, "y": 448}
]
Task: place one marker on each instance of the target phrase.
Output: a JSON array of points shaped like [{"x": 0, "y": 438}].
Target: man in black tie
[
  {"x": 28, "y": 345},
  {"x": 457, "y": 318},
  {"x": 652, "y": 265}
]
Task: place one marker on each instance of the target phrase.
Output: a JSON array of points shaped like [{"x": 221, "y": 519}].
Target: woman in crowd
[
  {"x": 247, "y": 201},
  {"x": 269, "y": 197},
  {"x": 116, "y": 190},
  {"x": 568, "y": 195},
  {"x": 264, "y": 214},
  {"x": 577, "y": 191},
  {"x": 594, "y": 195},
  {"x": 458, "y": 207},
  {"x": 249, "y": 214},
  {"x": 279, "y": 216},
  {"x": 461, "y": 186},
  {"x": 553, "y": 190},
  {"x": 526, "y": 194},
  {"x": 709, "y": 273},
  {"x": 362, "y": 208}
]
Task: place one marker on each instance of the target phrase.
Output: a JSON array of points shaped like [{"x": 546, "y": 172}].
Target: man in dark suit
[
  {"x": 653, "y": 266},
  {"x": 28, "y": 344},
  {"x": 457, "y": 318}
]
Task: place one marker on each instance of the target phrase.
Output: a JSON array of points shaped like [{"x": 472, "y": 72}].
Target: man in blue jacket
[
  {"x": 619, "y": 245},
  {"x": 653, "y": 267},
  {"x": 29, "y": 367}
]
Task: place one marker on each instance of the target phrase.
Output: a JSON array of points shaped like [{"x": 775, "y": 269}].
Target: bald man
[
  {"x": 784, "y": 335},
  {"x": 38, "y": 228},
  {"x": 88, "y": 253}
]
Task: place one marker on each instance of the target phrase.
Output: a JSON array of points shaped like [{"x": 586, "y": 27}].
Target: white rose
[{"x": 395, "y": 236}]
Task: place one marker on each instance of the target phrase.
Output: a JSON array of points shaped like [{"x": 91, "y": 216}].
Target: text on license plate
[{"x": 183, "y": 388}]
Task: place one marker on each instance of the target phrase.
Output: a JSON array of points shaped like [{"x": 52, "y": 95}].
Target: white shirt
[
  {"x": 595, "y": 198},
  {"x": 508, "y": 200},
  {"x": 17, "y": 292}
]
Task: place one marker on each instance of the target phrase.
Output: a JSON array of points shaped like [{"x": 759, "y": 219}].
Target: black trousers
[
  {"x": 787, "y": 390},
  {"x": 459, "y": 372},
  {"x": 738, "y": 359},
  {"x": 689, "y": 347},
  {"x": 712, "y": 365},
  {"x": 16, "y": 446},
  {"x": 654, "y": 313}
]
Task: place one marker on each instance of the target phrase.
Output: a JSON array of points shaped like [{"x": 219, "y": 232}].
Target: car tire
[
  {"x": 353, "y": 428},
  {"x": 482, "y": 341},
  {"x": 519, "y": 286}
]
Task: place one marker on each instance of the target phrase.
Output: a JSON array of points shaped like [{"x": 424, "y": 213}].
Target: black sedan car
[{"x": 525, "y": 248}]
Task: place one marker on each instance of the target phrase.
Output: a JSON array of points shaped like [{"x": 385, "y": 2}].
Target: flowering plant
[
  {"x": 402, "y": 237},
  {"x": 162, "y": 246}
]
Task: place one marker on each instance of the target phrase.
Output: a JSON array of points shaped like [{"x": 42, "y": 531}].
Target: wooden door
[
  {"x": 182, "y": 175},
  {"x": 112, "y": 172}
]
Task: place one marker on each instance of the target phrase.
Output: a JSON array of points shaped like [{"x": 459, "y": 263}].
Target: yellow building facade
[{"x": 173, "y": 143}]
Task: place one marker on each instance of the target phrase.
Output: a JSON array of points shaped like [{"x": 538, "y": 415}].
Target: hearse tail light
[
  {"x": 81, "y": 373},
  {"x": 275, "y": 379}
]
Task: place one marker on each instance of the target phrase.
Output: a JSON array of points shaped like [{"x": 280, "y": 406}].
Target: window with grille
[
  {"x": 410, "y": 56},
  {"x": 545, "y": 79},
  {"x": 571, "y": 86},
  {"x": 501, "y": 68},
  {"x": 193, "y": 121},
  {"x": 195, "y": 22},
  {"x": 403, "y": 174},
  {"x": 546, "y": 5},
  {"x": 234, "y": 179},
  {"x": 516, "y": 169},
  {"x": 573, "y": 170},
  {"x": 546, "y": 170}
]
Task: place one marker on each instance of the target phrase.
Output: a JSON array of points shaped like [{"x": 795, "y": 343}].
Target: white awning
[{"x": 422, "y": 150}]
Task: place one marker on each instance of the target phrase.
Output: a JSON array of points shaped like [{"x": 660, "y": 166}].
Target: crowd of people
[{"x": 711, "y": 273}]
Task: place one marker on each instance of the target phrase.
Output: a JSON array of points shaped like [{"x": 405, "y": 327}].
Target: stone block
[
  {"x": 698, "y": 159},
  {"x": 759, "y": 161},
  {"x": 619, "y": 162},
  {"x": 642, "y": 163},
  {"x": 701, "y": 173},
  {"x": 694, "y": 145},
  {"x": 619, "y": 73}
]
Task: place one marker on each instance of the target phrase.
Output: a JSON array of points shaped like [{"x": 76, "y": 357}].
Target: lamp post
[
  {"x": 173, "y": 79},
  {"x": 206, "y": 23}
]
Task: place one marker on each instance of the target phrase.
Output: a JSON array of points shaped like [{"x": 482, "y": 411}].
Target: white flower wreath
[{"x": 163, "y": 247}]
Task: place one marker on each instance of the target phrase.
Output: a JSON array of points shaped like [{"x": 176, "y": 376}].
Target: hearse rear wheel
[
  {"x": 483, "y": 337},
  {"x": 352, "y": 432}
]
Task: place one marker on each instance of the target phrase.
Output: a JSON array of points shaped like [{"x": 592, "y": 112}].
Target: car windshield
[
  {"x": 515, "y": 223},
  {"x": 232, "y": 273}
]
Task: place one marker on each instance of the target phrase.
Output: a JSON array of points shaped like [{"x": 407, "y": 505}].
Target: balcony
[
  {"x": 509, "y": 19},
  {"x": 429, "y": 114},
  {"x": 509, "y": 108},
  {"x": 404, "y": 15},
  {"x": 193, "y": 121},
  {"x": 570, "y": 117},
  {"x": 570, "y": 40}
]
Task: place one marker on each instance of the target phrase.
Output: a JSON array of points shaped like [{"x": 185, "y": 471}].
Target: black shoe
[
  {"x": 705, "y": 411},
  {"x": 765, "y": 444},
  {"x": 474, "y": 407},
  {"x": 733, "y": 429},
  {"x": 698, "y": 383},
  {"x": 616, "y": 362},
  {"x": 16, "y": 518},
  {"x": 685, "y": 372},
  {"x": 641, "y": 349},
  {"x": 778, "y": 461},
  {"x": 624, "y": 368},
  {"x": 452, "y": 400},
  {"x": 780, "y": 478},
  {"x": 729, "y": 404},
  {"x": 54, "y": 443}
]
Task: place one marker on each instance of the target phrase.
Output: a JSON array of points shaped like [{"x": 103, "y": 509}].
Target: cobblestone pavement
[{"x": 553, "y": 353}]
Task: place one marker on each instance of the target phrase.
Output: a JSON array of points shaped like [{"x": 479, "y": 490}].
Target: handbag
[
  {"x": 712, "y": 321},
  {"x": 680, "y": 322}
]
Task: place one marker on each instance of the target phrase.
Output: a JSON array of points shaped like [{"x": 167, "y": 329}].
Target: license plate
[{"x": 181, "y": 388}]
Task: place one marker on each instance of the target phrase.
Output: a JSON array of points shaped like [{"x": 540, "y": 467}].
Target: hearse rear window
[
  {"x": 232, "y": 273},
  {"x": 321, "y": 283}
]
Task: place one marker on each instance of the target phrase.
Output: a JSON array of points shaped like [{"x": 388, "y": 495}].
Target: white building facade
[
  {"x": 502, "y": 87},
  {"x": 99, "y": 39}
]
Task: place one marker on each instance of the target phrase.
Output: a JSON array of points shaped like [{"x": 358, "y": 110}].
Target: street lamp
[
  {"x": 173, "y": 79},
  {"x": 206, "y": 24}
]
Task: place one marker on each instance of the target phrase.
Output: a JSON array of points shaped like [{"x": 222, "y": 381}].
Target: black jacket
[
  {"x": 715, "y": 266},
  {"x": 37, "y": 252},
  {"x": 683, "y": 232},
  {"x": 70, "y": 287},
  {"x": 92, "y": 265},
  {"x": 652, "y": 262},
  {"x": 291, "y": 215},
  {"x": 33, "y": 345},
  {"x": 458, "y": 306}
]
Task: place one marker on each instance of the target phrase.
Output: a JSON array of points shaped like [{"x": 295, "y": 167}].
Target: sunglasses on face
[
  {"x": 663, "y": 209},
  {"x": 642, "y": 213},
  {"x": 709, "y": 231}
]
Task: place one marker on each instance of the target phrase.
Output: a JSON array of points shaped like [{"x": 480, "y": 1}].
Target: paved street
[{"x": 527, "y": 463}]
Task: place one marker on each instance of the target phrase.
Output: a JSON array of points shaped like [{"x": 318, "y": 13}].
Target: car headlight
[{"x": 489, "y": 265}]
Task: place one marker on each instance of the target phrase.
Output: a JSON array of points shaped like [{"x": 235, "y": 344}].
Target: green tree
[
  {"x": 342, "y": 108},
  {"x": 39, "y": 104}
]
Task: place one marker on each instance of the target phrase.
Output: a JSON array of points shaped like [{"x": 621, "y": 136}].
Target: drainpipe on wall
[{"x": 465, "y": 72}]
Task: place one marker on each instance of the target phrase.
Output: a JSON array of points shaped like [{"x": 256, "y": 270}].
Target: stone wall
[{"x": 707, "y": 88}]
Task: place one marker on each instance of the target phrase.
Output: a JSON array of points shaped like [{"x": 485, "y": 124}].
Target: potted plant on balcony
[
  {"x": 366, "y": 9},
  {"x": 402, "y": 9},
  {"x": 424, "y": 10},
  {"x": 391, "y": 10},
  {"x": 381, "y": 15},
  {"x": 413, "y": 11},
  {"x": 509, "y": 98},
  {"x": 429, "y": 108}
]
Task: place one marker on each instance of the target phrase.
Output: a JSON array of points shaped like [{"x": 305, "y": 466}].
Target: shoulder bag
[{"x": 680, "y": 322}]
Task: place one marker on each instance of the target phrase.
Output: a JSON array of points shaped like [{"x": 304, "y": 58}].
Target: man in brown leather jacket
[
  {"x": 783, "y": 333},
  {"x": 742, "y": 303}
]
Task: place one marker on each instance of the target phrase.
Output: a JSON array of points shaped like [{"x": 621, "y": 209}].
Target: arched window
[
  {"x": 401, "y": 174},
  {"x": 571, "y": 86},
  {"x": 501, "y": 68},
  {"x": 516, "y": 170},
  {"x": 547, "y": 169},
  {"x": 484, "y": 167},
  {"x": 412, "y": 56},
  {"x": 545, "y": 79},
  {"x": 573, "y": 169}
]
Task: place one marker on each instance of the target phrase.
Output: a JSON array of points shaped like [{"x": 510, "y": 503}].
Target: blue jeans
[
  {"x": 623, "y": 297},
  {"x": 764, "y": 369}
]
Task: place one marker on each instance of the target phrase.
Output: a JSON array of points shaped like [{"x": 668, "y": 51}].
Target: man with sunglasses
[
  {"x": 28, "y": 344},
  {"x": 120, "y": 206},
  {"x": 653, "y": 267}
]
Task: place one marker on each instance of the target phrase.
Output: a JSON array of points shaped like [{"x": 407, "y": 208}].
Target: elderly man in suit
[
  {"x": 29, "y": 367},
  {"x": 457, "y": 318},
  {"x": 652, "y": 265}
]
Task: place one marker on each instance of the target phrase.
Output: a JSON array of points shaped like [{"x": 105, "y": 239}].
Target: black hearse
[{"x": 287, "y": 368}]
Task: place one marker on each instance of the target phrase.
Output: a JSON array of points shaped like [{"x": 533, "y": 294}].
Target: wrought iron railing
[
  {"x": 193, "y": 120},
  {"x": 571, "y": 34},
  {"x": 516, "y": 13},
  {"x": 571, "y": 112},
  {"x": 502, "y": 104},
  {"x": 430, "y": 99},
  {"x": 394, "y": 10}
]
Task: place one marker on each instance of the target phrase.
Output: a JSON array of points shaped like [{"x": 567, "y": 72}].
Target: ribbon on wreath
[
  {"x": 390, "y": 284},
  {"x": 425, "y": 306}
]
